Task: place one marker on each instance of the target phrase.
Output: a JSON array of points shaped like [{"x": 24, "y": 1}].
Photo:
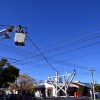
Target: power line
[
  {"x": 43, "y": 55},
  {"x": 71, "y": 64},
  {"x": 14, "y": 50},
  {"x": 46, "y": 68},
  {"x": 84, "y": 39},
  {"x": 10, "y": 58},
  {"x": 82, "y": 47},
  {"x": 78, "y": 33},
  {"x": 76, "y": 49},
  {"x": 43, "y": 65},
  {"x": 20, "y": 52},
  {"x": 55, "y": 61},
  {"x": 73, "y": 35},
  {"x": 17, "y": 61}
]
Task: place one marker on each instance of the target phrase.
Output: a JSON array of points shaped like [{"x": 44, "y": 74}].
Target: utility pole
[
  {"x": 56, "y": 84},
  {"x": 93, "y": 82}
]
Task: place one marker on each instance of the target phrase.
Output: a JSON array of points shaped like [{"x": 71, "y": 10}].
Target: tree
[
  {"x": 25, "y": 83},
  {"x": 97, "y": 88},
  {"x": 8, "y": 73}
]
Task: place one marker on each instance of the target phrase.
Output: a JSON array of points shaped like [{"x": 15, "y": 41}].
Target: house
[{"x": 47, "y": 89}]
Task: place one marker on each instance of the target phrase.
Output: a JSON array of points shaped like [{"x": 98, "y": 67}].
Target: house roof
[
  {"x": 40, "y": 86},
  {"x": 83, "y": 84},
  {"x": 73, "y": 84}
]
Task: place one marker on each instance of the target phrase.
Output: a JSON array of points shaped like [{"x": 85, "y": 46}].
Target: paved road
[
  {"x": 81, "y": 98},
  {"x": 59, "y": 98}
]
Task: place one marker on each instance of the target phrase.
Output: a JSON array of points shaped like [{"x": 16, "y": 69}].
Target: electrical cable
[
  {"x": 44, "y": 65},
  {"x": 43, "y": 55},
  {"x": 76, "y": 49},
  {"x": 32, "y": 61},
  {"x": 14, "y": 50},
  {"x": 61, "y": 68},
  {"x": 28, "y": 53},
  {"x": 82, "y": 47},
  {"x": 69, "y": 36},
  {"x": 74, "y": 34},
  {"x": 77, "y": 33},
  {"x": 84, "y": 39}
]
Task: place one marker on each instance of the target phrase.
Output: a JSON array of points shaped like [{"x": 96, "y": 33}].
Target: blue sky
[{"x": 51, "y": 25}]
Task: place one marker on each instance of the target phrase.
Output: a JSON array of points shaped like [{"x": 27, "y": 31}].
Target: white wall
[
  {"x": 38, "y": 93},
  {"x": 47, "y": 85}
]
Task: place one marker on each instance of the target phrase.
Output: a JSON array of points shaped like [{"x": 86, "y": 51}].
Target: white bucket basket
[{"x": 20, "y": 39}]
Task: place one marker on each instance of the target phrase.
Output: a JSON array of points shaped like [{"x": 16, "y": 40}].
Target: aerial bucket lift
[
  {"x": 20, "y": 39},
  {"x": 20, "y": 34}
]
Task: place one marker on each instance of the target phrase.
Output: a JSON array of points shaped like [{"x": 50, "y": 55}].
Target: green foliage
[
  {"x": 97, "y": 88},
  {"x": 8, "y": 73}
]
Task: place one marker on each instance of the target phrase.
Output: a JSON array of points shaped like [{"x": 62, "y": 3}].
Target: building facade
[{"x": 48, "y": 89}]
